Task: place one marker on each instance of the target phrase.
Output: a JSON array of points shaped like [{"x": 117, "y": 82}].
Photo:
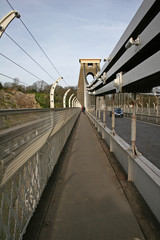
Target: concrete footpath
[{"x": 88, "y": 202}]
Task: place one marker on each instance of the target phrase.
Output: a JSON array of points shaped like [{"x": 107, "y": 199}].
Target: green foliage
[
  {"x": 58, "y": 97},
  {"x": 43, "y": 99},
  {"x": 41, "y": 91}
]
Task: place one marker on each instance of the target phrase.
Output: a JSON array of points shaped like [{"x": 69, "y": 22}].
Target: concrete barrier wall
[
  {"x": 25, "y": 169},
  {"x": 144, "y": 175}
]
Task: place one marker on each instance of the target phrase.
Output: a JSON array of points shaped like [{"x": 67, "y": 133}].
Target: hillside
[
  {"x": 13, "y": 99},
  {"x": 13, "y": 96}
]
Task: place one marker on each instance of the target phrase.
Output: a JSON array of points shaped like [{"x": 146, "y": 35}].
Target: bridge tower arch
[{"x": 87, "y": 67}]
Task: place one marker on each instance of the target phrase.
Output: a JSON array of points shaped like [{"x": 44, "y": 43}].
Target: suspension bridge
[{"x": 67, "y": 175}]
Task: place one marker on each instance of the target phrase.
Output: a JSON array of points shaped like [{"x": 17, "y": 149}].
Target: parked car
[{"x": 118, "y": 112}]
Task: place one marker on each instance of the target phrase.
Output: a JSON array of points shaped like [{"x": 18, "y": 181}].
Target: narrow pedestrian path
[{"x": 88, "y": 202}]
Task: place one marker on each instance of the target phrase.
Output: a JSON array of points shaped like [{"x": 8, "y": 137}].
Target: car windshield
[{"x": 117, "y": 109}]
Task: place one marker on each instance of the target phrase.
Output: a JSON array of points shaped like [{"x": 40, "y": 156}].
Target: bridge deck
[{"x": 87, "y": 201}]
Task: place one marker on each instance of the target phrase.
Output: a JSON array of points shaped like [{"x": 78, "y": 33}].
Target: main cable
[
  {"x": 40, "y": 47},
  {"x": 42, "y": 50},
  {"x": 37, "y": 43},
  {"x": 4, "y": 75},
  {"x": 20, "y": 66},
  {"x": 10, "y": 5},
  {"x": 28, "y": 55}
]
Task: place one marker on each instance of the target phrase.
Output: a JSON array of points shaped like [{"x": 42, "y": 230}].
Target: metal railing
[
  {"x": 29, "y": 151},
  {"x": 143, "y": 116},
  {"x": 139, "y": 170}
]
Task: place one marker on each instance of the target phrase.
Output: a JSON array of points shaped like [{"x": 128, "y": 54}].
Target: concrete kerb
[{"x": 144, "y": 175}]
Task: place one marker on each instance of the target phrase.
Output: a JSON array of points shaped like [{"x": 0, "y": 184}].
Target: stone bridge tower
[{"x": 88, "y": 67}]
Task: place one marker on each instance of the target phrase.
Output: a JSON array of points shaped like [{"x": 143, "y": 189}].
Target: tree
[
  {"x": 7, "y": 85},
  {"x": 21, "y": 88},
  {"x": 39, "y": 86},
  {"x": 15, "y": 83}
]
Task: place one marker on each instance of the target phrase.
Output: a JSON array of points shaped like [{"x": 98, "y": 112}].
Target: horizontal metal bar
[
  {"x": 23, "y": 157},
  {"x": 146, "y": 69},
  {"x": 29, "y": 110},
  {"x": 149, "y": 34},
  {"x": 97, "y": 85},
  {"x": 146, "y": 36},
  {"x": 17, "y": 111},
  {"x": 137, "y": 19},
  {"x": 145, "y": 25}
]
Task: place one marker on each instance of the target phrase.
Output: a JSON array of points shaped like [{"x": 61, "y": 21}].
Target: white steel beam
[
  {"x": 52, "y": 92},
  {"x": 64, "y": 98},
  {"x": 138, "y": 45},
  {"x": 69, "y": 101},
  {"x": 4, "y": 22}
]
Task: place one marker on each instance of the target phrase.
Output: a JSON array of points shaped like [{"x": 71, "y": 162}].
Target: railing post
[
  {"x": 133, "y": 128},
  {"x": 111, "y": 144},
  {"x": 149, "y": 104},
  {"x": 141, "y": 107},
  {"x": 130, "y": 169},
  {"x": 96, "y": 113},
  {"x": 157, "y": 111},
  {"x": 104, "y": 118},
  {"x": 113, "y": 118},
  {"x": 99, "y": 115}
]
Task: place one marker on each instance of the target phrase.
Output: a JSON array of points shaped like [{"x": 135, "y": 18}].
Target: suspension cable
[
  {"x": 28, "y": 55},
  {"x": 4, "y": 75},
  {"x": 10, "y": 5},
  {"x": 40, "y": 46},
  {"x": 21, "y": 67},
  {"x": 42, "y": 50},
  {"x": 37, "y": 43}
]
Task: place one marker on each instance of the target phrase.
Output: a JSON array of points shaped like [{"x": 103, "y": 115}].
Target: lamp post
[
  {"x": 64, "y": 98},
  {"x": 52, "y": 92}
]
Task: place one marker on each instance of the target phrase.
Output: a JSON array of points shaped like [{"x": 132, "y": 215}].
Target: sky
[{"x": 67, "y": 30}]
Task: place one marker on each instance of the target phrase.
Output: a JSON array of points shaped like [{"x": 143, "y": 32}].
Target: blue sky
[{"x": 67, "y": 30}]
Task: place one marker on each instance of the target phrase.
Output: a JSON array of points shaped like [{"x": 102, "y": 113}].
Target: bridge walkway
[{"x": 87, "y": 201}]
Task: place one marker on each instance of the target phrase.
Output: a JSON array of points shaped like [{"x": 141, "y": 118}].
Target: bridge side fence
[
  {"x": 144, "y": 117},
  {"x": 147, "y": 106},
  {"x": 144, "y": 175},
  {"x": 31, "y": 143},
  {"x": 139, "y": 116}
]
